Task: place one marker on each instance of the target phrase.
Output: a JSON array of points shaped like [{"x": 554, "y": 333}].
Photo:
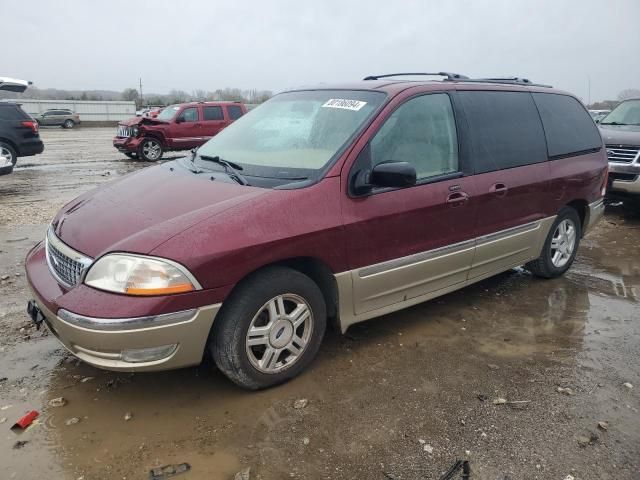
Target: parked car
[
  {"x": 62, "y": 117},
  {"x": 19, "y": 135},
  {"x": 598, "y": 114},
  {"x": 396, "y": 193},
  {"x": 176, "y": 127},
  {"x": 620, "y": 130}
]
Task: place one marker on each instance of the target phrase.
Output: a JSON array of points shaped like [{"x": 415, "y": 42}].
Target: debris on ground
[
  {"x": 58, "y": 402},
  {"x": 565, "y": 391},
  {"x": 459, "y": 465},
  {"x": 26, "y": 420},
  {"x": 243, "y": 474},
  {"x": 19, "y": 444},
  {"x": 583, "y": 440},
  {"x": 71, "y": 421},
  {"x": 160, "y": 473},
  {"x": 628, "y": 385},
  {"x": 86, "y": 379},
  {"x": 482, "y": 397},
  {"x": 6, "y": 407},
  {"x": 428, "y": 448},
  {"x": 306, "y": 441},
  {"x": 569, "y": 477},
  {"x": 499, "y": 401},
  {"x": 128, "y": 416},
  {"x": 300, "y": 403},
  {"x": 3, "y": 419},
  {"x": 493, "y": 366},
  {"x": 603, "y": 425},
  {"x": 4, "y": 277}
]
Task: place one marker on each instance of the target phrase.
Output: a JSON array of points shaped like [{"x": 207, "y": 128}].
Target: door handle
[
  {"x": 499, "y": 189},
  {"x": 457, "y": 199}
]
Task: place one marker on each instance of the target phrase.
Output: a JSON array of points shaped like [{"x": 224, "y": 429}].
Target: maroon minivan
[{"x": 336, "y": 203}]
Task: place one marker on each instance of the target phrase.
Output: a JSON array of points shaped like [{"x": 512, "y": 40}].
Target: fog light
[{"x": 150, "y": 354}]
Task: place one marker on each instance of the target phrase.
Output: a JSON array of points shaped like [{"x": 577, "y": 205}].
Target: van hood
[
  {"x": 620, "y": 134},
  {"x": 144, "y": 209},
  {"x": 141, "y": 121}
]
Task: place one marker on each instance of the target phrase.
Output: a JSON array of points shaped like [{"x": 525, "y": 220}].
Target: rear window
[
  {"x": 213, "y": 113},
  {"x": 505, "y": 130},
  {"x": 568, "y": 127},
  {"x": 234, "y": 111},
  {"x": 11, "y": 112}
]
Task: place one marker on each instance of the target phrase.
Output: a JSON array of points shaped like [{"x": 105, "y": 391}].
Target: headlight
[
  {"x": 135, "y": 131},
  {"x": 139, "y": 275}
]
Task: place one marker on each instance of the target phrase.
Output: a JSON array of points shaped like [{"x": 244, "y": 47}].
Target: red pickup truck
[{"x": 177, "y": 127}]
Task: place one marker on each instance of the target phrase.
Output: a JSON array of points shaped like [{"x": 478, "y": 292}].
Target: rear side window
[
  {"x": 213, "y": 113},
  {"x": 234, "y": 111},
  {"x": 11, "y": 113},
  {"x": 569, "y": 128},
  {"x": 505, "y": 130}
]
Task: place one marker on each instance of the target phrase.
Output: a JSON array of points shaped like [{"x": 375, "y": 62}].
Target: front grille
[
  {"x": 67, "y": 265},
  {"x": 622, "y": 153},
  {"x": 626, "y": 177},
  {"x": 124, "y": 131}
]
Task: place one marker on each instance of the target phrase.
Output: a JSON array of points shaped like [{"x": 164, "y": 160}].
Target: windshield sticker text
[{"x": 344, "y": 104}]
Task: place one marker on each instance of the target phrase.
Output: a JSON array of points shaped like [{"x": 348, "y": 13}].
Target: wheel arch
[
  {"x": 582, "y": 207},
  {"x": 11, "y": 144},
  {"x": 316, "y": 270}
]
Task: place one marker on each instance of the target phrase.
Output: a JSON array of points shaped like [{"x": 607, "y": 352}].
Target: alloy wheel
[
  {"x": 279, "y": 333},
  {"x": 563, "y": 243},
  {"x": 6, "y": 158},
  {"x": 151, "y": 149}
]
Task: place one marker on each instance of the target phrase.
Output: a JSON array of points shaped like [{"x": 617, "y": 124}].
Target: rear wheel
[
  {"x": 150, "y": 150},
  {"x": 560, "y": 247},
  {"x": 270, "y": 329},
  {"x": 68, "y": 124},
  {"x": 8, "y": 158}
]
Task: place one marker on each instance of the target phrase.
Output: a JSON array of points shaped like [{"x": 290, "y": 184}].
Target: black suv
[{"x": 19, "y": 136}]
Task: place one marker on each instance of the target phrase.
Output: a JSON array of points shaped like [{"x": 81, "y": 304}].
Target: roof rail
[
  {"x": 509, "y": 81},
  {"x": 449, "y": 76}
]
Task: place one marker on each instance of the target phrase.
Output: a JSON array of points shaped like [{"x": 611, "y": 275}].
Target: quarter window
[
  {"x": 213, "y": 113},
  {"x": 234, "y": 111},
  {"x": 189, "y": 115},
  {"x": 567, "y": 125},
  {"x": 422, "y": 132},
  {"x": 505, "y": 130}
]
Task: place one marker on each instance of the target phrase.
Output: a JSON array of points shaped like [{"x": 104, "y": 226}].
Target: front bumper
[
  {"x": 624, "y": 177},
  {"x": 127, "y": 144},
  {"x": 116, "y": 332}
]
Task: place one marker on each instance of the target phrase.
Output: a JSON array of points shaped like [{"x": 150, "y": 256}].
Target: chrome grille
[
  {"x": 124, "y": 131},
  {"x": 66, "y": 265},
  {"x": 622, "y": 153}
]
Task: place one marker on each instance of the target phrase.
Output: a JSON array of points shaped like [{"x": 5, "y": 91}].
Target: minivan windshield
[
  {"x": 168, "y": 113},
  {"x": 627, "y": 113},
  {"x": 294, "y": 135}
]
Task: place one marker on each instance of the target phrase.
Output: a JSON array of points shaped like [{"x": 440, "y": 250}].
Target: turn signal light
[{"x": 33, "y": 125}]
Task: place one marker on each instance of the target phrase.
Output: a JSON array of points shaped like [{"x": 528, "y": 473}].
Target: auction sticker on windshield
[{"x": 344, "y": 104}]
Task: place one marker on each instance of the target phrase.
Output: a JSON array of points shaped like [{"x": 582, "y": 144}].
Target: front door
[
  {"x": 406, "y": 243},
  {"x": 186, "y": 130},
  {"x": 509, "y": 157}
]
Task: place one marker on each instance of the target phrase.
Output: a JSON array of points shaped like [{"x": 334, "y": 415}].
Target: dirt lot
[{"x": 400, "y": 397}]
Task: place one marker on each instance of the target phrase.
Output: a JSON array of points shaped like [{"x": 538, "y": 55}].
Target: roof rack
[
  {"x": 456, "y": 77},
  {"x": 449, "y": 76}
]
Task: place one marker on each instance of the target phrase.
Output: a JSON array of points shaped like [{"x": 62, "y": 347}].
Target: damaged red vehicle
[{"x": 177, "y": 127}]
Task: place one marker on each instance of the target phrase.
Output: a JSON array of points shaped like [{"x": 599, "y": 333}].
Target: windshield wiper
[
  {"x": 230, "y": 168},
  {"x": 613, "y": 123}
]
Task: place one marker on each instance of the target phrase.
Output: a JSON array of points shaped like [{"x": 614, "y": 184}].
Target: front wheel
[
  {"x": 270, "y": 328},
  {"x": 150, "y": 150},
  {"x": 561, "y": 246},
  {"x": 68, "y": 124}
]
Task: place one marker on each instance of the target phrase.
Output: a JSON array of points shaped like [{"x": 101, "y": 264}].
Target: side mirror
[
  {"x": 598, "y": 120},
  {"x": 387, "y": 174}
]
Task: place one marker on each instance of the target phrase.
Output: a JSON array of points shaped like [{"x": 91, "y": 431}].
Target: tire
[
  {"x": 8, "y": 158},
  {"x": 255, "y": 304},
  {"x": 68, "y": 124},
  {"x": 150, "y": 149},
  {"x": 133, "y": 155},
  {"x": 554, "y": 262}
]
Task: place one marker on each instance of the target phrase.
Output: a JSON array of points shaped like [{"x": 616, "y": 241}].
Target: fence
[{"x": 89, "y": 111}]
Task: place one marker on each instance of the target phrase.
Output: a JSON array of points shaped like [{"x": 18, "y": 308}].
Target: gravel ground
[{"x": 400, "y": 397}]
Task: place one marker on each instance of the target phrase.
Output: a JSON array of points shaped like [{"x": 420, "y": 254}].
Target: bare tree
[
  {"x": 629, "y": 93},
  {"x": 130, "y": 94}
]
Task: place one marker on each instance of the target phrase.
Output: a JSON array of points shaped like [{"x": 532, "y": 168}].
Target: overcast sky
[{"x": 275, "y": 45}]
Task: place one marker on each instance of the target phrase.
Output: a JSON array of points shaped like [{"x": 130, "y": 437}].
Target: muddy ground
[{"x": 400, "y": 397}]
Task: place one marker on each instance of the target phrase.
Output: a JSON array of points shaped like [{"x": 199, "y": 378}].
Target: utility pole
[
  {"x": 589, "y": 84},
  {"x": 141, "y": 98}
]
